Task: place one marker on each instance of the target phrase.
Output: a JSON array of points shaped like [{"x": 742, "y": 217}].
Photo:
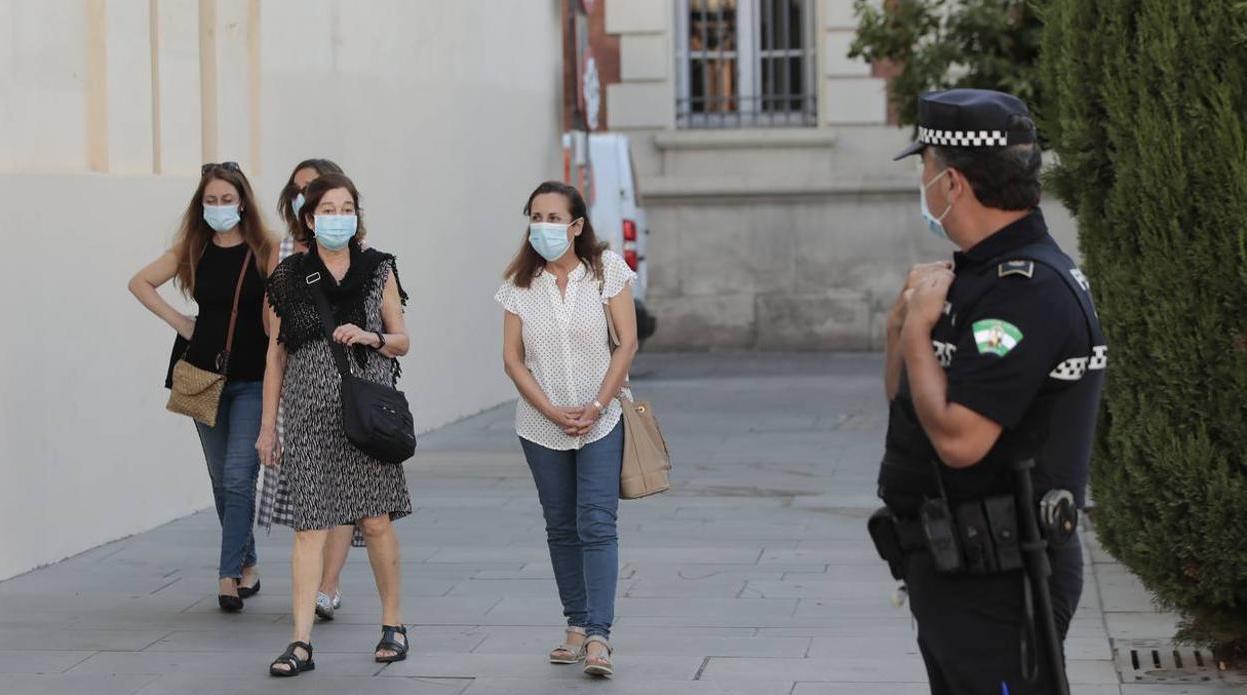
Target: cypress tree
[{"x": 1146, "y": 109}]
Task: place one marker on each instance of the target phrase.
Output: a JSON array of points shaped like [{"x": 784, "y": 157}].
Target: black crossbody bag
[{"x": 377, "y": 418}]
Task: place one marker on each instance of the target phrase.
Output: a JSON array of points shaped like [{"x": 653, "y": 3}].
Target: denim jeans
[
  {"x": 579, "y": 493},
  {"x": 233, "y": 466}
]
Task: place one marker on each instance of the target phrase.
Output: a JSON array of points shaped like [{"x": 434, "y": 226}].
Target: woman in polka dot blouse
[{"x": 557, "y": 351}]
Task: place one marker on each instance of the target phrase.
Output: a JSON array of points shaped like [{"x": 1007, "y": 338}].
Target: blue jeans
[
  {"x": 233, "y": 466},
  {"x": 579, "y": 493}
]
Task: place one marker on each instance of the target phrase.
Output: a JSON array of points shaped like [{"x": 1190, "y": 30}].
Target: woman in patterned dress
[
  {"x": 556, "y": 350},
  {"x": 330, "y": 482},
  {"x": 275, "y": 502}
]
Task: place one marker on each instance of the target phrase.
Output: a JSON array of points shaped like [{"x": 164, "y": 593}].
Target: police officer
[{"x": 993, "y": 361}]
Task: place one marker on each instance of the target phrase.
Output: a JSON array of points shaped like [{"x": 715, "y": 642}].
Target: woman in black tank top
[{"x": 221, "y": 225}]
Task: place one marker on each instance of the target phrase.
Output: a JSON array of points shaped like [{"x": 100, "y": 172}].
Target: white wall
[{"x": 445, "y": 114}]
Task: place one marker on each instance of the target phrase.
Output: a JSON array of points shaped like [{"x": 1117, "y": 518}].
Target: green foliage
[
  {"x": 1146, "y": 108},
  {"x": 941, "y": 44}
]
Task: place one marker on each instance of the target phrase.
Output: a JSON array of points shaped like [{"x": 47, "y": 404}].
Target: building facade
[
  {"x": 109, "y": 109},
  {"x": 778, "y": 219}
]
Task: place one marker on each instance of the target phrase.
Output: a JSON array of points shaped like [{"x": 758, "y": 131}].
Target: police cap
[{"x": 971, "y": 118}]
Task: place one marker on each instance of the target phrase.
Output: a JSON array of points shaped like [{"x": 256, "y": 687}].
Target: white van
[{"x": 617, "y": 216}]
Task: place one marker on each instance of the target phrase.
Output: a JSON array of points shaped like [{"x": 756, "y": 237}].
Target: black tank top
[{"x": 216, "y": 276}]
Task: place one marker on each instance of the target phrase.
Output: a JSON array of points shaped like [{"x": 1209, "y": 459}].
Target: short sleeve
[
  {"x": 507, "y": 297},
  {"x": 1008, "y": 344},
  {"x": 278, "y": 286},
  {"x": 617, "y": 275}
]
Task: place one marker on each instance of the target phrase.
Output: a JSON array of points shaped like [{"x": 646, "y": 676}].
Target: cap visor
[{"x": 913, "y": 149}]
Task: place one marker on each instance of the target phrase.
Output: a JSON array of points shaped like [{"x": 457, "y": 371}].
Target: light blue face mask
[
  {"x": 549, "y": 240},
  {"x": 221, "y": 218},
  {"x": 334, "y": 232},
  {"x": 297, "y": 204},
  {"x": 934, "y": 224}
]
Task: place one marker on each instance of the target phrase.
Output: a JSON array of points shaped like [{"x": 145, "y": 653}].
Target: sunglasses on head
[{"x": 228, "y": 166}]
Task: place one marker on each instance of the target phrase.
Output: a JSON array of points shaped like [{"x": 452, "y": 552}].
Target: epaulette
[{"x": 1023, "y": 268}]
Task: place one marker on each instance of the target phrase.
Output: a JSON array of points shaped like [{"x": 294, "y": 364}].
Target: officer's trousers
[{"x": 972, "y": 629}]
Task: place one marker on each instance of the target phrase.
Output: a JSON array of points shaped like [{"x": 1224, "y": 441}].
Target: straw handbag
[
  {"x": 646, "y": 461},
  {"x": 197, "y": 392}
]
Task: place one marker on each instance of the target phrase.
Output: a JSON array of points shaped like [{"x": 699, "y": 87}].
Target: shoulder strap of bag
[
  {"x": 612, "y": 336},
  {"x": 233, "y": 315},
  {"x": 327, "y": 321}
]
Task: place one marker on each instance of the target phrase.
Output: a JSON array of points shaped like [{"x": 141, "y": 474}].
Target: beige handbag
[
  {"x": 646, "y": 461},
  {"x": 197, "y": 392}
]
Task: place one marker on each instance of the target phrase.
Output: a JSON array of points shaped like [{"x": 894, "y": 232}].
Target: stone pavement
[{"x": 754, "y": 576}]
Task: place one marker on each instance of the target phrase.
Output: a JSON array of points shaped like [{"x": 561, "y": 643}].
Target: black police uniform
[{"x": 1020, "y": 344}]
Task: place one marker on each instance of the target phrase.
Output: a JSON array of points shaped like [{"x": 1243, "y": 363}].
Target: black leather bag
[{"x": 377, "y": 418}]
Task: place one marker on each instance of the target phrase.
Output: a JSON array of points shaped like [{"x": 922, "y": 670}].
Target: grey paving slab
[
  {"x": 534, "y": 666},
  {"x": 753, "y": 576},
  {"x": 624, "y": 684},
  {"x": 861, "y": 689},
  {"x": 1182, "y": 689},
  {"x": 314, "y": 683},
  {"x": 65, "y": 684},
  {"x": 39, "y": 662}
]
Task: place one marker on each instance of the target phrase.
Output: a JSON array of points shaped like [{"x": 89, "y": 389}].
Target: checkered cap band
[{"x": 963, "y": 138}]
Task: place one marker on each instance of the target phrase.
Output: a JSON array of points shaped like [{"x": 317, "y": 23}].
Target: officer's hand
[
  {"x": 925, "y": 301},
  {"x": 896, "y": 317}
]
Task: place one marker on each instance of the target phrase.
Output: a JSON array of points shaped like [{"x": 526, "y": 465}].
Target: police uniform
[{"x": 1020, "y": 344}]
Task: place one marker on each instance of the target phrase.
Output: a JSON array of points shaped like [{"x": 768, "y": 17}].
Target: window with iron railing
[{"x": 745, "y": 63}]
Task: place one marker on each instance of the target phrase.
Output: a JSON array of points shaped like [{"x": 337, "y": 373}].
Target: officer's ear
[{"x": 958, "y": 185}]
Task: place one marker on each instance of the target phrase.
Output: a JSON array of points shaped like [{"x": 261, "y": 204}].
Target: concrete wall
[{"x": 108, "y": 112}]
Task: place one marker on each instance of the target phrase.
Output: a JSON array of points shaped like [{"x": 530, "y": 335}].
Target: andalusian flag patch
[{"x": 996, "y": 336}]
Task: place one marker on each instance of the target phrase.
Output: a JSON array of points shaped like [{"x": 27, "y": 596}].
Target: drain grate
[{"x": 1154, "y": 661}]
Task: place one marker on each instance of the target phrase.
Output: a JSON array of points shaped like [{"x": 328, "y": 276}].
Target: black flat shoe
[
  {"x": 248, "y": 591},
  {"x": 292, "y": 661},
  {"x": 389, "y": 642},
  {"x": 229, "y": 604}
]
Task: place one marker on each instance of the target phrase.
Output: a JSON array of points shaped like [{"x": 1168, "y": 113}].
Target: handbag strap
[
  {"x": 612, "y": 336},
  {"x": 327, "y": 321},
  {"x": 223, "y": 358}
]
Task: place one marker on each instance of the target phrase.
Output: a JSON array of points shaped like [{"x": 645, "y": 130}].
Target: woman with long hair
[
  {"x": 558, "y": 291},
  {"x": 222, "y": 236}
]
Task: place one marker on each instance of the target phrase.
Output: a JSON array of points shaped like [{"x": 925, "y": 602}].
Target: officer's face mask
[{"x": 934, "y": 224}]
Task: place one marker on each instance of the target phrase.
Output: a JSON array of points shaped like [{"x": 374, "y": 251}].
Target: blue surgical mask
[
  {"x": 297, "y": 204},
  {"x": 334, "y": 232},
  {"x": 934, "y": 224},
  {"x": 549, "y": 239},
  {"x": 221, "y": 218}
]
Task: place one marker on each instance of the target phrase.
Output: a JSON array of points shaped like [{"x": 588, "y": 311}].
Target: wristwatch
[
  {"x": 381, "y": 337},
  {"x": 601, "y": 408}
]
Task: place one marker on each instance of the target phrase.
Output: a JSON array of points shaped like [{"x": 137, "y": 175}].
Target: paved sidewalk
[{"x": 754, "y": 576}]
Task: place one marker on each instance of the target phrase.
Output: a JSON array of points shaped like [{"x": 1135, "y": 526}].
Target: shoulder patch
[
  {"x": 1023, "y": 268},
  {"x": 996, "y": 336}
]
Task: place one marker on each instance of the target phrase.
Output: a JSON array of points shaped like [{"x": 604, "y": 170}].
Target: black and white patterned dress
[{"x": 327, "y": 480}]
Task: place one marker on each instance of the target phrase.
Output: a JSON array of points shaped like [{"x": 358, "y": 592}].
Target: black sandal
[
  {"x": 389, "y": 642},
  {"x": 289, "y": 658}
]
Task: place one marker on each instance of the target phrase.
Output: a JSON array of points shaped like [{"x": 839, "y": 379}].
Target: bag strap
[
  {"x": 612, "y": 336},
  {"x": 327, "y": 321},
  {"x": 223, "y": 358}
]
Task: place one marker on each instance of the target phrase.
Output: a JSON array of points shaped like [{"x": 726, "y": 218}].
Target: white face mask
[
  {"x": 549, "y": 239},
  {"x": 221, "y": 218},
  {"x": 934, "y": 224}
]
